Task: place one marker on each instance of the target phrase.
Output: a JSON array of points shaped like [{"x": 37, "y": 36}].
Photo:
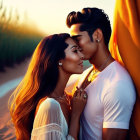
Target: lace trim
[
  {"x": 69, "y": 137},
  {"x": 46, "y": 129}
]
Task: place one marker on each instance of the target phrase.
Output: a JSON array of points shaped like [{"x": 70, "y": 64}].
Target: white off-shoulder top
[{"x": 50, "y": 123}]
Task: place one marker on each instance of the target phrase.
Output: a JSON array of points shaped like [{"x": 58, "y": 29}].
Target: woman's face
[{"x": 73, "y": 61}]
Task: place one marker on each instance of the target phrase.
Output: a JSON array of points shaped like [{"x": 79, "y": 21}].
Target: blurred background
[{"x": 23, "y": 23}]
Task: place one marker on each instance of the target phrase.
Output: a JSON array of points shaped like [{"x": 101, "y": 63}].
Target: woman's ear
[
  {"x": 60, "y": 63},
  {"x": 97, "y": 35}
]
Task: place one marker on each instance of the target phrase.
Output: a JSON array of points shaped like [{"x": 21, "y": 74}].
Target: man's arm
[
  {"x": 118, "y": 105},
  {"x": 114, "y": 134}
]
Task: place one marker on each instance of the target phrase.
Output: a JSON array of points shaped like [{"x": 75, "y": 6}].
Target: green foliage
[{"x": 17, "y": 41}]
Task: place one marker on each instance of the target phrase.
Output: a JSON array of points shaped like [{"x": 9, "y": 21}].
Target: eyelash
[{"x": 75, "y": 51}]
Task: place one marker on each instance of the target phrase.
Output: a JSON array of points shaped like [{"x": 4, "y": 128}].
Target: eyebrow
[
  {"x": 74, "y": 46},
  {"x": 75, "y": 36}
]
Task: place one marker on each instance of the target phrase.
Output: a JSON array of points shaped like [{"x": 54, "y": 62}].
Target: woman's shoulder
[
  {"x": 49, "y": 112},
  {"x": 50, "y": 104}
]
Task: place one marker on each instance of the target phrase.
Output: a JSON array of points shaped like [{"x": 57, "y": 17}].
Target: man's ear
[{"x": 97, "y": 35}]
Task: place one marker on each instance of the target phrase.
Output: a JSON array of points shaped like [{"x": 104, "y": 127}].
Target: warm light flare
[{"x": 125, "y": 45}]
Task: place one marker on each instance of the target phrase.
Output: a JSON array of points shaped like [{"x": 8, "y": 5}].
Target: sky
[{"x": 49, "y": 16}]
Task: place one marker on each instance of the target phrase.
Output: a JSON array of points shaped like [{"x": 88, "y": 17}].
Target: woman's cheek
[{"x": 72, "y": 56}]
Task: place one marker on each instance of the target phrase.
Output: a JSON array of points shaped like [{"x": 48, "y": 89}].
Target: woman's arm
[
  {"x": 78, "y": 103},
  {"x": 74, "y": 126}
]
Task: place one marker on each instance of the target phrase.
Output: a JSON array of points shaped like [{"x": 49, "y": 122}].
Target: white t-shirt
[{"x": 111, "y": 97}]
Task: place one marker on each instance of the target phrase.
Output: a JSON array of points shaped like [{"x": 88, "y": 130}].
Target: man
[{"x": 111, "y": 93}]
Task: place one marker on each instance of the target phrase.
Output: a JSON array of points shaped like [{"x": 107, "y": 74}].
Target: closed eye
[{"x": 75, "y": 51}]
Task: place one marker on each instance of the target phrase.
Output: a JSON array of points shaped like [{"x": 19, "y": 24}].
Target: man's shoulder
[
  {"x": 86, "y": 71},
  {"x": 76, "y": 77},
  {"x": 120, "y": 92},
  {"x": 118, "y": 73},
  {"x": 119, "y": 69},
  {"x": 120, "y": 84},
  {"x": 76, "y": 80}
]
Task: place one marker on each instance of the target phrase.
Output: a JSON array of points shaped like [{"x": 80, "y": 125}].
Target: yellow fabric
[{"x": 125, "y": 45}]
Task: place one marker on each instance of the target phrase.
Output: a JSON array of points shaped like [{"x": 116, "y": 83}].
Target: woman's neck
[{"x": 61, "y": 84}]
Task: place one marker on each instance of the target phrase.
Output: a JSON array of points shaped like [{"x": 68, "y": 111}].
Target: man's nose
[{"x": 81, "y": 55}]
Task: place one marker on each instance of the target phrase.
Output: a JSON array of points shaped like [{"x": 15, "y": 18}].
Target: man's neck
[
  {"x": 101, "y": 60},
  {"x": 106, "y": 63}
]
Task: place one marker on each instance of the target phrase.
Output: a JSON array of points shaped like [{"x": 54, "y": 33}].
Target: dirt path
[
  {"x": 7, "y": 131},
  {"x": 15, "y": 72}
]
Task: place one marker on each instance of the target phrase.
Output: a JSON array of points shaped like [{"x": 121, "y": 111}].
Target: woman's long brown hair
[{"x": 39, "y": 81}]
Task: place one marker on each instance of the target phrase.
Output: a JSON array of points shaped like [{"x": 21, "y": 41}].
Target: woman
[{"x": 40, "y": 109}]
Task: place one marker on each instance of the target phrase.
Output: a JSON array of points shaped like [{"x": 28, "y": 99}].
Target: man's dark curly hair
[{"x": 91, "y": 19}]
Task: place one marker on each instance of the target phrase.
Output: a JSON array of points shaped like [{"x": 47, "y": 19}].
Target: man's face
[{"x": 89, "y": 47}]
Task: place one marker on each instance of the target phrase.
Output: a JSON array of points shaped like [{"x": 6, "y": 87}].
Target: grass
[{"x": 17, "y": 41}]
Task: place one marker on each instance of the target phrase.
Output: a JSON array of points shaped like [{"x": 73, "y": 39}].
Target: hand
[{"x": 78, "y": 101}]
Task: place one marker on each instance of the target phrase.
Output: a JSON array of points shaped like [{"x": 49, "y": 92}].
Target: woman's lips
[{"x": 81, "y": 64}]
